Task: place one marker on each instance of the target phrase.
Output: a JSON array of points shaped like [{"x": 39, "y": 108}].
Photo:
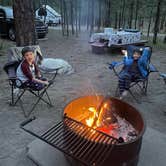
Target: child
[
  {"x": 135, "y": 67},
  {"x": 28, "y": 71}
]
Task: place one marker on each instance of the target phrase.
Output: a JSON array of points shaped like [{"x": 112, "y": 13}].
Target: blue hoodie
[{"x": 143, "y": 62}]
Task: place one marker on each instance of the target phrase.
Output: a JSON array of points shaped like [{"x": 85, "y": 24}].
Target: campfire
[
  {"x": 105, "y": 119},
  {"x": 114, "y": 118},
  {"x": 97, "y": 131}
]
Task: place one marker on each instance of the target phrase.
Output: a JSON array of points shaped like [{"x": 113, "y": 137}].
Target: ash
[{"x": 120, "y": 129}]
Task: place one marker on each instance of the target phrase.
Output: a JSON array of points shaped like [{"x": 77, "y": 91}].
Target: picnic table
[{"x": 119, "y": 37}]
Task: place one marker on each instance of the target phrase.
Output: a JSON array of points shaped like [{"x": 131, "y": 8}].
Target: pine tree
[{"x": 24, "y": 22}]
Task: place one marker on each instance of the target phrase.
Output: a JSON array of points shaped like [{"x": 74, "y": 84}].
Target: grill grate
[{"x": 85, "y": 144}]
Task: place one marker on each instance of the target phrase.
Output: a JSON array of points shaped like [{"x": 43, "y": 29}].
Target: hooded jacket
[{"x": 143, "y": 61}]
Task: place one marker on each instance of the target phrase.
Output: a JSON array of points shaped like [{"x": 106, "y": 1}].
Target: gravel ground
[{"x": 91, "y": 76}]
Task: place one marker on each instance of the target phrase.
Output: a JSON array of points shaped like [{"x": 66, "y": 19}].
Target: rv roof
[{"x": 49, "y": 8}]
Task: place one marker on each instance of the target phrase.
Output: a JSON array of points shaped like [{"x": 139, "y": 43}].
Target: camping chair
[
  {"x": 141, "y": 83},
  {"x": 10, "y": 68}
]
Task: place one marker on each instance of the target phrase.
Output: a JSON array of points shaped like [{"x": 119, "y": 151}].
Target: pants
[
  {"x": 125, "y": 78},
  {"x": 34, "y": 85}
]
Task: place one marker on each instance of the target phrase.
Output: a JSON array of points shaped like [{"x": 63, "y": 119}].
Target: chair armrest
[
  {"x": 12, "y": 81},
  {"x": 114, "y": 64},
  {"x": 114, "y": 67}
]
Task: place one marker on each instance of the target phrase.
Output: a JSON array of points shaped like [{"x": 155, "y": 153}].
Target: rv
[{"x": 51, "y": 16}]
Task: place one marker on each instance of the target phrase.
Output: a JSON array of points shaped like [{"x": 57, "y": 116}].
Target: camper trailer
[{"x": 50, "y": 16}]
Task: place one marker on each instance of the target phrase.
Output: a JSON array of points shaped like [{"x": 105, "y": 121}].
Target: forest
[{"x": 148, "y": 16}]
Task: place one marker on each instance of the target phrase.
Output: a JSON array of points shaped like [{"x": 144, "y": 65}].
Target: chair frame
[{"x": 38, "y": 93}]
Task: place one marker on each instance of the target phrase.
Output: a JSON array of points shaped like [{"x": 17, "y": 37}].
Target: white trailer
[{"x": 52, "y": 17}]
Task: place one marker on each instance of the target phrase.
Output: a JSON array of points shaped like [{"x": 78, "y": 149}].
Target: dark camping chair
[
  {"x": 141, "y": 83},
  {"x": 10, "y": 68}
]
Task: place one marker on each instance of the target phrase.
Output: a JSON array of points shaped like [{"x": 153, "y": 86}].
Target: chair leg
[
  {"x": 117, "y": 92},
  {"x": 22, "y": 108},
  {"x": 38, "y": 95},
  {"x": 19, "y": 97},
  {"x": 134, "y": 97},
  {"x": 38, "y": 100},
  {"x": 12, "y": 93},
  {"x": 146, "y": 86},
  {"x": 49, "y": 99}
]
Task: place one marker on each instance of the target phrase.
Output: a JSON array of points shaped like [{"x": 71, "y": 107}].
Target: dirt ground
[{"x": 91, "y": 76}]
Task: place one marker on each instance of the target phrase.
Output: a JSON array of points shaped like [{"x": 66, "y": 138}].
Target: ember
[
  {"x": 120, "y": 129},
  {"x": 105, "y": 120}
]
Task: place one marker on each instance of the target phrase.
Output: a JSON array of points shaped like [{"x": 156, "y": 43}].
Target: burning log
[{"x": 105, "y": 114}]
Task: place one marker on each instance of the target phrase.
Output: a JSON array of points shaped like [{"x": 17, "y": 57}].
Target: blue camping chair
[{"x": 140, "y": 83}]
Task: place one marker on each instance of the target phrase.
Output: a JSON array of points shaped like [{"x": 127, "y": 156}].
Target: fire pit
[
  {"x": 89, "y": 110},
  {"x": 97, "y": 131}
]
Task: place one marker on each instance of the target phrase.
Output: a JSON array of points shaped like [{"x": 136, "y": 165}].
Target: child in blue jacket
[{"x": 135, "y": 67}]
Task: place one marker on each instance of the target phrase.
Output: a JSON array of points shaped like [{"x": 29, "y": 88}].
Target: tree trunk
[
  {"x": 79, "y": 15},
  {"x": 108, "y": 13},
  {"x": 62, "y": 15},
  {"x": 88, "y": 15},
  {"x": 92, "y": 17},
  {"x": 163, "y": 20},
  {"x": 76, "y": 17},
  {"x": 116, "y": 20},
  {"x": 157, "y": 21},
  {"x": 65, "y": 18},
  {"x": 120, "y": 14},
  {"x": 99, "y": 18},
  {"x": 24, "y": 22},
  {"x": 150, "y": 21},
  {"x": 136, "y": 14},
  {"x": 45, "y": 10},
  {"x": 72, "y": 18},
  {"x": 131, "y": 14},
  {"x": 122, "y": 17},
  {"x": 119, "y": 23}
]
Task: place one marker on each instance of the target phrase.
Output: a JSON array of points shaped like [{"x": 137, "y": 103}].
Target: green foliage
[
  {"x": 6, "y": 2},
  {"x": 160, "y": 45}
]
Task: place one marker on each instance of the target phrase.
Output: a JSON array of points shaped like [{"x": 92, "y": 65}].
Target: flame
[
  {"x": 95, "y": 114},
  {"x": 91, "y": 119}
]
